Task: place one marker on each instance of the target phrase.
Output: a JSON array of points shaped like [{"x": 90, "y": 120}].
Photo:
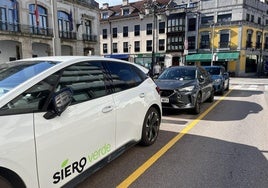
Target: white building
[
  {"x": 27, "y": 28},
  {"x": 124, "y": 34}
]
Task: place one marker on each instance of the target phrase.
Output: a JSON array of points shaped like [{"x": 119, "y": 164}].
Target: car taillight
[{"x": 158, "y": 90}]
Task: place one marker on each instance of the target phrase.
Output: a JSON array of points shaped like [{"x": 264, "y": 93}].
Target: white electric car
[{"x": 63, "y": 117}]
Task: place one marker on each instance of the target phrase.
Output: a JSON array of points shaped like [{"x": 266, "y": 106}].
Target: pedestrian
[{"x": 157, "y": 69}]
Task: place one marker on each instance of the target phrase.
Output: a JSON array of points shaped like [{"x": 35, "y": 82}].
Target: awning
[
  {"x": 207, "y": 57},
  {"x": 117, "y": 56},
  {"x": 198, "y": 57},
  {"x": 228, "y": 56}
]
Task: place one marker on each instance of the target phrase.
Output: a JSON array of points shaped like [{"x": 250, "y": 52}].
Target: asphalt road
[{"x": 227, "y": 146}]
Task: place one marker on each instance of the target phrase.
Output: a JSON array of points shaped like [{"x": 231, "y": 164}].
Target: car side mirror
[
  {"x": 60, "y": 101},
  {"x": 201, "y": 78}
]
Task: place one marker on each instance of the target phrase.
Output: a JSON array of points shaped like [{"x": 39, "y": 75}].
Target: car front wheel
[
  {"x": 197, "y": 106},
  {"x": 150, "y": 128},
  {"x": 5, "y": 183}
]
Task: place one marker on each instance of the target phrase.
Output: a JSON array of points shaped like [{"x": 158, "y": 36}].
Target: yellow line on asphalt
[{"x": 137, "y": 173}]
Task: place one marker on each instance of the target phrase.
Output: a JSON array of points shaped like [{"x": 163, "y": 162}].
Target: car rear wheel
[
  {"x": 5, "y": 183},
  {"x": 150, "y": 128},
  {"x": 197, "y": 106}
]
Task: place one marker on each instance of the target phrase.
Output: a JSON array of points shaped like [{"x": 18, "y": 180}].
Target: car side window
[
  {"x": 123, "y": 76},
  {"x": 33, "y": 99},
  {"x": 86, "y": 79}
]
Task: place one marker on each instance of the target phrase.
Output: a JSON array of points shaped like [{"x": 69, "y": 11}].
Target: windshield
[
  {"x": 178, "y": 74},
  {"x": 13, "y": 75},
  {"x": 213, "y": 70}
]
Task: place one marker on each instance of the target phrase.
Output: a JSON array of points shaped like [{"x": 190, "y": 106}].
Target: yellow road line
[{"x": 137, "y": 173}]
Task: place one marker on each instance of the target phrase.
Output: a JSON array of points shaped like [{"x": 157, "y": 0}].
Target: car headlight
[
  {"x": 186, "y": 89},
  {"x": 217, "y": 81}
]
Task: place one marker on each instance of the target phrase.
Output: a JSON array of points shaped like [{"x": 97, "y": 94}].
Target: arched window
[
  {"x": 65, "y": 22},
  {"x": 38, "y": 19},
  {"x": 9, "y": 15}
]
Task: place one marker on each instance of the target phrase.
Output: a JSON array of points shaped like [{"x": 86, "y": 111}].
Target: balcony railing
[
  {"x": 248, "y": 44},
  {"x": 91, "y": 38},
  {"x": 204, "y": 46},
  {"x": 25, "y": 29},
  {"x": 67, "y": 35},
  {"x": 258, "y": 45},
  {"x": 224, "y": 45}
]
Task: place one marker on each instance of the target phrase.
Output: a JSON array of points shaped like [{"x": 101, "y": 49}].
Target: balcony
[
  {"x": 248, "y": 44},
  {"x": 67, "y": 35},
  {"x": 204, "y": 45},
  {"x": 224, "y": 45},
  {"x": 25, "y": 29},
  {"x": 258, "y": 45},
  {"x": 90, "y": 38}
]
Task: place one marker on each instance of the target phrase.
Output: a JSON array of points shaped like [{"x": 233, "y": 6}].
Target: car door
[
  {"x": 129, "y": 95},
  {"x": 83, "y": 134},
  {"x": 205, "y": 83}
]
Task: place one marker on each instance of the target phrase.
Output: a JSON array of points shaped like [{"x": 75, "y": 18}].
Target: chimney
[
  {"x": 105, "y": 5},
  {"x": 125, "y": 2}
]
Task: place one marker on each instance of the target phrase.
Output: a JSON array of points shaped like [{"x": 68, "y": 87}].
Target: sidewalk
[{"x": 242, "y": 80}]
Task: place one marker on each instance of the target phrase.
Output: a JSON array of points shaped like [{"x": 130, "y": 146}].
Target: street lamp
[{"x": 153, "y": 8}]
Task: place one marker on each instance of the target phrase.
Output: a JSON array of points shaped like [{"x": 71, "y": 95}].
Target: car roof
[{"x": 183, "y": 67}]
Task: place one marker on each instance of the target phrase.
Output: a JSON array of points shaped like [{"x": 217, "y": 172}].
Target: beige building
[{"x": 27, "y": 28}]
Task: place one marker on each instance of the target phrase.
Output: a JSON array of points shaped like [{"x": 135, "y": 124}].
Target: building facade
[
  {"x": 130, "y": 32},
  {"x": 188, "y": 32},
  {"x": 31, "y": 28}
]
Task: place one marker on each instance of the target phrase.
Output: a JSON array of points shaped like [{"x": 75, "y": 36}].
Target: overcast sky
[{"x": 112, "y": 2}]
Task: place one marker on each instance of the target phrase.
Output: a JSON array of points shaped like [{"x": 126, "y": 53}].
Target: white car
[{"x": 63, "y": 117}]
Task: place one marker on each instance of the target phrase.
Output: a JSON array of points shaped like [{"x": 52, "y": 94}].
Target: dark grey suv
[{"x": 185, "y": 87}]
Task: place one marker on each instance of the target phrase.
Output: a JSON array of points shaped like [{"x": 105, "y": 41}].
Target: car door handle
[
  {"x": 142, "y": 95},
  {"x": 107, "y": 109}
]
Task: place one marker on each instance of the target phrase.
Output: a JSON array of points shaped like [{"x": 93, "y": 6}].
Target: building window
[
  {"x": 192, "y": 24},
  {"x": 204, "y": 43},
  {"x": 125, "y": 46},
  {"x": 115, "y": 32},
  {"x": 65, "y": 23},
  {"x": 249, "y": 39},
  {"x": 125, "y": 12},
  {"x": 105, "y": 15},
  {"x": 39, "y": 25},
  {"x": 259, "y": 20},
  {"x": 207, "y": 19},
  {"x": 9, "y": 18},
  {"x": 149, "y": 29},
  {"x": 266, "y": 42},
  {"x": 125, "y": 31},
  {"x": 247, "y": 17},
  {"x": 191, "y": 43},
  {"x": 161, "y": 44},
  {"x": 104, "y": 33},
  {"x": 149, "y": 47},
  {"x": 137, "y": 46},
  {"x": 252, "y": 18},
  {"x": 105, "y": 48},
  {"x": 162, "y": 26},
  {"x": 176, "y": 23},
  {"x": 258, "y": 40},
  {"x": 175, "y": 43},
  {"x": 137, "y": 30},
  {"x": 224, "y": 18},
  {"x": 224, "y": 39},
  {"x": 115, "y": 50}
]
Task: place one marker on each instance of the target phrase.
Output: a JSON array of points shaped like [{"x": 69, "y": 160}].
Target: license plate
[{"x": 165, "y": 100}]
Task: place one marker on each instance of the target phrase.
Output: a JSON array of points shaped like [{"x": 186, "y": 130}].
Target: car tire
[
  {"x": 211, "y": 97},
  {"x": 227, "y": 88},
  {"x": 222, "y": 89},
  {"x": 197, "y": 106},
  {"x": 5, "y": 183},
  {"x": 150, "y": 127}
]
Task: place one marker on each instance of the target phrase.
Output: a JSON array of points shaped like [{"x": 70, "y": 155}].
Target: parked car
[
  {"x": 185, "y": 87},
  {"x": 64, "y": 116},
  {"x": 220, "y": 78}
]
